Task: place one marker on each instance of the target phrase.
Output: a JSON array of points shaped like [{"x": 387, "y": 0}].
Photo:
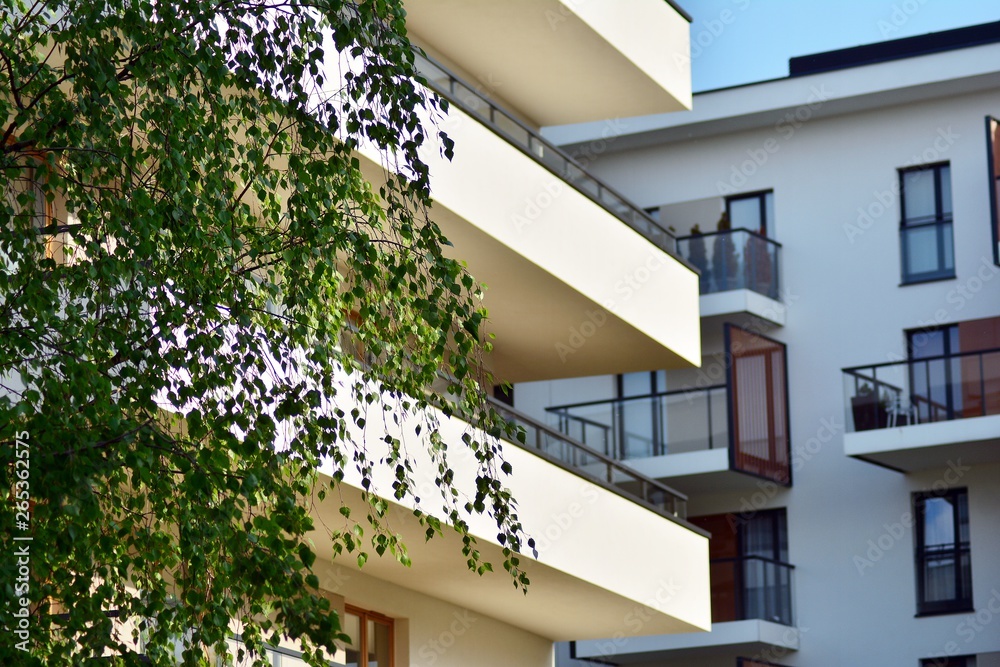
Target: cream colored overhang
[
  {"x": 606, "y": 565},
  {"x": 559, "y": 61},
  {"x": 572, "y": 290}
]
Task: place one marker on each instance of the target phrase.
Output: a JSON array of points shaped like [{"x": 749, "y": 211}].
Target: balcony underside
[
  {"x": 730, "y": 306},
  {"x": 927, "y": 446},
  {"x": 697, "y": 473},
  {"x": 571, "y": 289},
  {"x": 567, "y": 516},
  {"x": 726, "y": 640},
  {"x": 557, "y": 61}
]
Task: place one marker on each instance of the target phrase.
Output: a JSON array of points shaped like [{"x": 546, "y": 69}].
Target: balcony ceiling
[
  {"x": 928, "y": 446},
  {"x": 562, "y": 62}
]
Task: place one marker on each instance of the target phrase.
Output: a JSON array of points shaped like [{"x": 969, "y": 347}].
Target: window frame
[
  {"x": 364, "y": 615},
  {"x": 942, "y": 222},
  {"x": 761, "y": 196},
  {"x": 958, "y": 549}
]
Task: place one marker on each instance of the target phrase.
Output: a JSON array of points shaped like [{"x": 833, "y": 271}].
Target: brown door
[{"x": 723, "y": 552}]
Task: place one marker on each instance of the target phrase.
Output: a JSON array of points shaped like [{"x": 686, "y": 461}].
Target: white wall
[{"x": 846, "y": 307}]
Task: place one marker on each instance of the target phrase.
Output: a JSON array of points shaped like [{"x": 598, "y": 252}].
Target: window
[
  {"x": 753, "y": 212},
  {"x": 371, "y": 639},
  {"x": 944, "y": 570},
  {"x": 950, "y": 661},
  {"x": 749, "y": 569},
  {"x": 926, "y": 226},
  {"x": 642, "y": 421}
]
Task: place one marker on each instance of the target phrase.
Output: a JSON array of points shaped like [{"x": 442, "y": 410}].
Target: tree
[{"x": 186, "y": 237}]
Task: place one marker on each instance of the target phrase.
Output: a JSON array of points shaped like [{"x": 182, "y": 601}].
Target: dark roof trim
[
  {"x": 680, "y": 10},
  {"x": 896, "y": 49}
]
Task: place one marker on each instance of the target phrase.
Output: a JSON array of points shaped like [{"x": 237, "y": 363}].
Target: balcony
[
  {"x": 722, "y": 437},
  {"x": 557, "y": 61},
  {"x": 560, "y": 304},
  {"x": 531, "y": 143},
  {"x": 925, "y": 413},
  {"x": 751, "y": 613},
  {"x": 751, "y": 588},
  {"x": 739, "y": 273},
  {"x": 582, "y": 494}
]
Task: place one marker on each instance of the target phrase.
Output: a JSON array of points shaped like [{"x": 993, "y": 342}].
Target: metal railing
[
  {"x": 920, "y": 391},
  {"x": 589, "y": 463},
  {"x": 751, "y": 587},
  {"x": 733, "y": 259},
  {"x": 652, "y": 425},
  {"x": 526, "y": 139}
]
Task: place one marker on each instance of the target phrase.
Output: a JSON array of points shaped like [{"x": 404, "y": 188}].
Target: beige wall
[{"x": 430, "y": 632}]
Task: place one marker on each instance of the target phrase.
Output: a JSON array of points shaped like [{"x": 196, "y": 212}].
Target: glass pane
[
  {"x": 948, "y": 247},
  {"x": 637, "y": 425},
  {"x": 946, "y": 190},
  {"x": 918, "y": 194},
  {"x": 939, "y": 522},
  {"x": 921, "y": 250},
  {"x": 379, "y": 643},
  {"x": 745, "y": 213},
  {"x": 512, "y": 129},
  {"x": 636, "y": 384},
  {"x": 349, "y": 654}
]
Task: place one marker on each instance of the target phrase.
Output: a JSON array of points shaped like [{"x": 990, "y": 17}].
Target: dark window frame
[
  {"x": 761, "y": 196},
  {"x": 958, "y": 548},
  {"x": 941, "y": 221}
]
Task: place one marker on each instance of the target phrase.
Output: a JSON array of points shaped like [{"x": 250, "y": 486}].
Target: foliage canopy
[{"x": 186, "y": 231}]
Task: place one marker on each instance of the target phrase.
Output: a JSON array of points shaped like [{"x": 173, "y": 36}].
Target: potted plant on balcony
[
  {"x": 699, "y": 258},
  {"x": 869, "y": 410},
  {"x": 725, "y": 265}
]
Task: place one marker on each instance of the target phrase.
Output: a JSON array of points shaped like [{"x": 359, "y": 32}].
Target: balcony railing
[
  {"x": 751, "y": 587},
  {"x": 477, "y": 105},
  {"x": 921, "y": 391},
  {"x": 652, "y": 425},
  {"x": 582, "y": 460},
  {"x": 733, "y": 259}
]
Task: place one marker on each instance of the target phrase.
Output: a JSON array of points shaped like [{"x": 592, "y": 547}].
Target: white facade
[{"x": 831, "y": 147}]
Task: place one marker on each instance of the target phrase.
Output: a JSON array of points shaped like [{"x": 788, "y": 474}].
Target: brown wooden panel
[
  {"x": 758, "y": 404},
  {"x": 725, "y": 545},
  {"x": 980, "y": 373}
]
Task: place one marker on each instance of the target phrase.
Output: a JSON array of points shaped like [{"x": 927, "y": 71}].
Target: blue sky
[{"x": 741, "y": 41}]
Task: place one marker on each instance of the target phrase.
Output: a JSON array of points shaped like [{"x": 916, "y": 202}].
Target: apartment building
[
  {"x": 508, "y": 201},
  {"x": 841, "y": 439},
  {"x": 535, "y": 225}
]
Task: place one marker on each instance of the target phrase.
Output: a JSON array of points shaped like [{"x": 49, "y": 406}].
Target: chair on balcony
[{"x": 901, "y": 407}]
